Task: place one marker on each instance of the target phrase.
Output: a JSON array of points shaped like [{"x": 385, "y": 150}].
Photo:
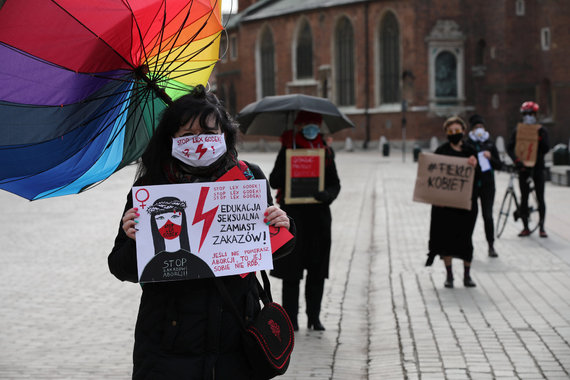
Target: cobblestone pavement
[{"x": 64, "y": 316}]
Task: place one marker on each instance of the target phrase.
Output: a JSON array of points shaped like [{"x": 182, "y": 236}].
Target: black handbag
[{"x": 269, "y": 338}]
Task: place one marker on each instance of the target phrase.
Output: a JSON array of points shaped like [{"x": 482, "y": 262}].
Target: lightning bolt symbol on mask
[
  {"x": 200, "y": 149},
  {"x": 207, "y": 217}
]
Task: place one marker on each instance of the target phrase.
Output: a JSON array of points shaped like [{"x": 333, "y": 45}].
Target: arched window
[
  {"x": 267, "y": 55},
  {"x": 304, "y": 52},
  {"x": 480, "y": 53},
  {"x": 232, "y": 101},
  {"x": 446, "y": 75},
  {"x": 344, "y": 62},
  {"x": 519, "y": 8},
  {"x": 389, "y": 59}
]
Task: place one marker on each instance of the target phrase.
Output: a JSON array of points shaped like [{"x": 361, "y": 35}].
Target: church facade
[{"x": 399, "y": 68}]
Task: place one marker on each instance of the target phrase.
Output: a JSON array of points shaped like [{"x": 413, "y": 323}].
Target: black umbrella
[{"x": 273, "y": 115}]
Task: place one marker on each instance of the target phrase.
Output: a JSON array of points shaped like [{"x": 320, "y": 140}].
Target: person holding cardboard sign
[
  {"x": 184, "y": 328},
  {"x": 527, "y": 147},
  {"x": 313, "y": 220},
  {"x": 451, "y": 229},
  {"x": 489, "y": 161}
]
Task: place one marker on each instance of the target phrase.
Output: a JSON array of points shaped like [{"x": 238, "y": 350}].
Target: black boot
[
  {"x": 467, "y": 281},
  {"x": 290, "y": 294},
  {"x": 315, "y": 324},
  {"x": 492, "y": 252},
  {"x": 449, "y": 280}
]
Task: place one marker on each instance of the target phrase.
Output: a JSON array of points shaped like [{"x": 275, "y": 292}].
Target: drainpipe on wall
[{"x": 367, "y": 79}]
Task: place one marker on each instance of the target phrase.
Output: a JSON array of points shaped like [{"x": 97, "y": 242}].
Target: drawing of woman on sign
[{"x": 173, "y": 258}]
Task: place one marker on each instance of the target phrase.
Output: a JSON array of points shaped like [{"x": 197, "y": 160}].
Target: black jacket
[
  {"x": 485, "y": 178},
  {"x": 313, "y": 221},
  {"x": 184, "y": 330}
]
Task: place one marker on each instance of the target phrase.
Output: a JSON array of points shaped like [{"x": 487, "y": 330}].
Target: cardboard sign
[
  {"x": 444, "y": 181},
  {"x": 526, "y": 145},
  {"x": 305, "y": 175},
  {"x": 197, "y": 230}
]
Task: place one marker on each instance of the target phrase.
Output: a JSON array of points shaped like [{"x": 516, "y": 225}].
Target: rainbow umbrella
[{"x": 83, "y": 83}]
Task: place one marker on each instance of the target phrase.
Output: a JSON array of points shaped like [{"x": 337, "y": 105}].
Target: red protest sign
[{"x": 278, "y": 236}]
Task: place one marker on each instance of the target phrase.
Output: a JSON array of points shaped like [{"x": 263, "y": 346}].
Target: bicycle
[{"x": 511, "y": 197}]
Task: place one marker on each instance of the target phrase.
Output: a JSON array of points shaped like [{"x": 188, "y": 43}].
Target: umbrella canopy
[
  {"x": 84, "y": 82},
  {"x": 272, "y": 115}
]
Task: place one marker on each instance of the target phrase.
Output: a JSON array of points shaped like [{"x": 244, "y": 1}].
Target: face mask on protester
[
  {"x": 310, "y": 131},
  {"x": 529, "y": 119},
  {"x": 479, "y": 134},
  {"x": 455, "y": 138},
  {"x": 199, "y": 150}
]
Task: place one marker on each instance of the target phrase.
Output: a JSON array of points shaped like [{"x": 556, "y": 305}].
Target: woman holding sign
[
  {"x": 451, "y": 229},
  {"x": 313, "y": 220},
  {"x": 184, "y": 330}
]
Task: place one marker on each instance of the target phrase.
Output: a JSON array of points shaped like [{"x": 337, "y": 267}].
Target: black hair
[{"x": 198, "y": 104}]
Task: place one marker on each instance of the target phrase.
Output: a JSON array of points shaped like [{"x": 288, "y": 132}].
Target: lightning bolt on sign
[{"x": 207, "y": 217}]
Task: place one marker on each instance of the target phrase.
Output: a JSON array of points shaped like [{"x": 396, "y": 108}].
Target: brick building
[{"x": 434, "y": 57}]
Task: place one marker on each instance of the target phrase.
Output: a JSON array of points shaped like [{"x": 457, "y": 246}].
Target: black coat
[
  {"x": 451, "y": 229},
  {"x": 183, "y": 329},
  {"x": 313, "y": 223}
]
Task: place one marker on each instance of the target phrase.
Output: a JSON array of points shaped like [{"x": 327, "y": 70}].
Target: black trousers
[
  {"x": 314, "y": 287},
  {"x": 537, "y": 175},
  {"x": 486, "y": 194}
]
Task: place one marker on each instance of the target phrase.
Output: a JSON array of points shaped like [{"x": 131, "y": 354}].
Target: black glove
[
  {"x": 323, "y": 196},
  {"x": 519, "y": 166}
]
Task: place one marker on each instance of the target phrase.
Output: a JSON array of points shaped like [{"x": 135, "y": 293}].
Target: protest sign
[
  {"x": 444, "y": 181},
  {"x": 526, "y": 144},
  {"x": 197, "y": 230},
  {"x": 305, "y": 175}
]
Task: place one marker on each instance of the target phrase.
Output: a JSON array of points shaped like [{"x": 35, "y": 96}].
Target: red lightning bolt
[
  {"x": 207, "y": 216},
  {"x": 200, "y": 149}
]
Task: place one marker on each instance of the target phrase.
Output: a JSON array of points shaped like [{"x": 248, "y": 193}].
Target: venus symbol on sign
[{"x": 142, "y": 204}]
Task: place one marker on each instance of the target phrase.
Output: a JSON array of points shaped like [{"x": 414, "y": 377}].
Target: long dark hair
[{"x": 198, "y": 104}]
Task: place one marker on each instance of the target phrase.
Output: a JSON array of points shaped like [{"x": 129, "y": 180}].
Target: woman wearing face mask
[
  {"x": 451, "y": 229},
  {"x": 183, "y": 330},
  {"x": 529, "y": 111},
  {"x": 489, "y": 160},
  {"x": 313, "y": 221}
]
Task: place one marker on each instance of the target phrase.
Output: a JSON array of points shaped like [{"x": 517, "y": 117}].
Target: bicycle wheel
[
  {"x": 533, "y": 215},
  {"x": 504, "y": 212}
]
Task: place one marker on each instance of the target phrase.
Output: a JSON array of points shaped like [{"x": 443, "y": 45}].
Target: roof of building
[{"x": 264, "y": 9}]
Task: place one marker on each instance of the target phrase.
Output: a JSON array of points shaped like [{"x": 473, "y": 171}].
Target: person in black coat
[
  {"x": 313, "y": 221},
  {"x": 489, "y": 161},
  {"x": 529, "y": 111},
  {"x": 184, "y": 330},
  {"x": 451, "y": 229}
]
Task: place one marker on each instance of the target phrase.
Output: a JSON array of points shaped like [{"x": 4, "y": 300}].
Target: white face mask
[
  {"x": 199, "y": 150},
  {"x": 529, "y": 119},
  {"x": 479, "y": 134}
]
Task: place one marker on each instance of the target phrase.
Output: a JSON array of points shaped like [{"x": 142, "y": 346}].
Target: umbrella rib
[
  {"x": 93, "y": 33},
  {"x": 135, "y": 22},
  {"x": 187, "y": 43},
  {"x": 160, "y": 70},
  {"x": 139, "y": 91},
  {"x": 83, "y": 146}
]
